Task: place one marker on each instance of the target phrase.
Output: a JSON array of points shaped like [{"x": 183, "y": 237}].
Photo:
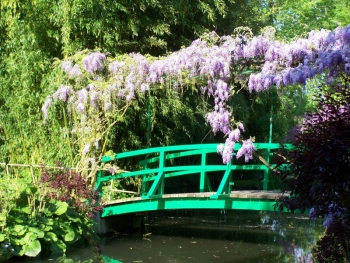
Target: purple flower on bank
[
  {"x": 112, "y": 170},
  {"x": 220, "y": 148},
  {"x": 108, "y": 106},
  {"x": 144, "y": 87}
]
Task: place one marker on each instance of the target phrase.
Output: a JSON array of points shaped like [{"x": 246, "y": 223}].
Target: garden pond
[{"x": 220, "y": 236}]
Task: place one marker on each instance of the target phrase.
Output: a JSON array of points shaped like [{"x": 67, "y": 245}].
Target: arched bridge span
[{"x": 157, "y": 165}]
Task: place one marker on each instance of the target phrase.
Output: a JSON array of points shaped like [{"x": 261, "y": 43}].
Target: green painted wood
[
  {"x": 158, "y": 183},
  {"x": 183, "y": 170},
  {"x": 257, "y": 146},
  {"x": 203, "y": 176},
  {"x": 178, "y": 155},
  {"x": 188, "y": 203},
  {"x": 153, "y": 179},
  {"x": 224, "y": 184},
  {"x": 267, "y": 173}
]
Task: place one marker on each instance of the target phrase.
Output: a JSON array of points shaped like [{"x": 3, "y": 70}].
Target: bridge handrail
[
  {"x": 158, "y": 174},
  {"x": 211, "y": 146}
]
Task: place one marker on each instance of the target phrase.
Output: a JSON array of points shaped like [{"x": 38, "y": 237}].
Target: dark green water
[{"x": 213, "y": 236}]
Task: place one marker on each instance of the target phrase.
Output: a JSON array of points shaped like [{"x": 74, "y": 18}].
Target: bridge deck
[{"x": 243, "y": 194}]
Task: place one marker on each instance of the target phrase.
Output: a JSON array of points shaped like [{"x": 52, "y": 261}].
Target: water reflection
[{"x": 223, "y": 236}]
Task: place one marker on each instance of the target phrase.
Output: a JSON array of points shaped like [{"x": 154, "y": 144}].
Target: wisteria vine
[{"x": 113, "y": 82}]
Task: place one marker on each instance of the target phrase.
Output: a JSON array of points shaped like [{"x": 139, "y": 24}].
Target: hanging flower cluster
[{"x": 112, "y": 81}]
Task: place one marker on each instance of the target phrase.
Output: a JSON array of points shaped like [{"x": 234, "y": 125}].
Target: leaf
[
  {"x": 61, "y": 208},
  {"x": 48, "y": 221},
  {"x": 18, "y": 230},
  {"x": 38, "y": 232},
  {"x": 51, "y": 236},
  {"x": 2, "y": 237},
  {"x": 2, "y": 220},
  {"x": 31, "y": 190},
  {"x": 45, "y": 228},
  {"x": 72, "y": 215},
  {"x": 57, "y": 207},
  {"x": 47, "y": 212},
  {"x": 33, "y": 248},
  {"x": 19, "y": 219},
  {"x": 58, "y": 247},
  {"x": 26, "y": 210},
  {"x": 69, "y": 236}
]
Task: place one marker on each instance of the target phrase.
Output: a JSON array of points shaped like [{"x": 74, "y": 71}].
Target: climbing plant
[{"x": 216, "y": 67}]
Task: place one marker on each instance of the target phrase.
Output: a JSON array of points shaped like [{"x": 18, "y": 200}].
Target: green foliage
[
  {"x": 31, "y": 224},
  {"x": 34, "y": 33},
  {"x": 296, "y": 18},
  {"x": 334, "y": 245}
]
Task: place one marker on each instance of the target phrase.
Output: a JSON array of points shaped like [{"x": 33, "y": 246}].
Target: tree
[
  {"x": 34, "y": 33},
  {"x": 296, "y": 18},
  {"x": 320, "y": 160}
]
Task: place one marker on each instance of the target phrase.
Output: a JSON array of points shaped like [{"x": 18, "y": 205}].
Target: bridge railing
[{"x": 154, "y": 169}]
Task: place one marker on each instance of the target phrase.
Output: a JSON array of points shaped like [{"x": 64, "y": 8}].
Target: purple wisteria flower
[
  {"x": 71, "y": 71},
  {"x": 115, "y": 66},
  {"x": 94, "y": 98},
  {"x": 67, "y": 66},
  {"x": 81, "y": 108},
  {"x": 45, "y": 107},
  {"x": 83, "y": 96},
  {"x": 247, "y": 150},
  {"x": 227, "y": 151},
  {"x": 62, "y": 93},
  {"x": 94, "y": 62},
  {"x": 295, "y": 62},
  {"x": 210, "y": 63}
]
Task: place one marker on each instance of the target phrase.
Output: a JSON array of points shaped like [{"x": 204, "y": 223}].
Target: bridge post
[
  {"x": 267, "y": 183},
  {"x": 203, "y": 175},
  {"x": 157, "y": 187},
  {"x": 225, "y": 184},
  {"x": 144, "y": 187},
  {"x": 98, "y": 184}
]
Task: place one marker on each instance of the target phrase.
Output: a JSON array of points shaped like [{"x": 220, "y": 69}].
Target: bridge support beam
[
  {"x": 157, "y": 187},
  {"x": 204, "y": 184},
  {"x": 225, "y": 184},
  {"x": 267, "y": 181}
]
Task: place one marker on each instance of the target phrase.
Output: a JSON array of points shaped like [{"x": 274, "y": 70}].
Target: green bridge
[{"x": 157, "y": 165}]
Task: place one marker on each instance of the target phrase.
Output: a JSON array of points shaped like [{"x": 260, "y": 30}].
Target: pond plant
[{"x": 47, "y": 217}]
